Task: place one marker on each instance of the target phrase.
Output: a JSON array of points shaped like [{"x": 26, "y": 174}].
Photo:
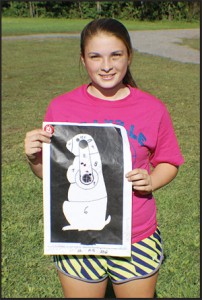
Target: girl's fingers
[
  {"x": 137, "y": 177},
  {"x": 34, "y": 140},
  {"x": 136, "y": 172},
  {"x": 39, "y": 135},
  {"x": 140, "y": 180}
]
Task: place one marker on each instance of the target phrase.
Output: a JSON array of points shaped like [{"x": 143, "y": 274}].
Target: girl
[{"x": 112, "y": 96}]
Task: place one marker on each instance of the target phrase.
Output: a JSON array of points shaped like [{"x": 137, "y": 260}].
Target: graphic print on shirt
[
  {"x": 87, "y": 196},
  {"x": 133, "y": 136}
]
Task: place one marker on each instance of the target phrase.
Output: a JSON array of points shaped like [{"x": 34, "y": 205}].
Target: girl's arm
[
  {"x": 33, "y": 149},
  {"x": 36, "y": 165},
  {"x": 146, "y": 183}
]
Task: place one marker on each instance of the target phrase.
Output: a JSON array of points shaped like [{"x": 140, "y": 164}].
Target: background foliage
[{"x": 141, "y": 10}]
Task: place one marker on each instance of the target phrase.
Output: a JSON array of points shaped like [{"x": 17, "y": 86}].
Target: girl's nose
[
  {"x": 107, "y": 69},
  {"x": 106, "y": 66}
]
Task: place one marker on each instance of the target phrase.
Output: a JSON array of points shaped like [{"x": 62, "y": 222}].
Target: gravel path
[{"x": 165, "y": 43}]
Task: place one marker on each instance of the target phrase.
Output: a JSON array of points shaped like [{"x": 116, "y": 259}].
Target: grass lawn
[
  {"x": 34, "y": 72},
  {"x": 21, "y": 26},
  {"x": 192, "y": 43}
]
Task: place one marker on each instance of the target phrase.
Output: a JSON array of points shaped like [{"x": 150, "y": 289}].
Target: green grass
[
  {"x": 192, "y": 43},
  {"x": 34, "y": 72},
  {"x": 22, "y": 26}
]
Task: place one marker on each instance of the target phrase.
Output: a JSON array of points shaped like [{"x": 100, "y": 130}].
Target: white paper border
[{"x": 51, "y": 248}]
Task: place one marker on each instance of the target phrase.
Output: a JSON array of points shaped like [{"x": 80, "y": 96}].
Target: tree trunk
[
  {"x": 98, "y": 5},
  {"x": 31, "y": 10},
  {"x": 170, "y": 16},
  {"x": 80, "y": 10}
]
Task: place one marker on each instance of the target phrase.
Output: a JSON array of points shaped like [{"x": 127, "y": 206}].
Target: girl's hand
[
  {"x": 141, "y": 181},
  {"x": 33, "y": 143},
  {"x": 145, "y": 184}
]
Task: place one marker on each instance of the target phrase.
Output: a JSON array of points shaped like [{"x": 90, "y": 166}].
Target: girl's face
[{"x": 106, "y": 61}]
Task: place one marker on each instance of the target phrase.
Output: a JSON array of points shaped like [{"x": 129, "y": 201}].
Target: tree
[{"x": 139, "y": 10}]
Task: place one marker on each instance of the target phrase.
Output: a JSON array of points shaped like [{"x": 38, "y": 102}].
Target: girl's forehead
[
  {"x": 103, "y": 35},
  {"x": 103, "y": 39}
]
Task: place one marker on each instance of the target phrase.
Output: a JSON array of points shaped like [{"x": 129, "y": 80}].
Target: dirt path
[{"x": 165, "y": 43}]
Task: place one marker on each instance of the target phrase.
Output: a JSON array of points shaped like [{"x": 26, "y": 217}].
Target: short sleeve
[
  {"x": 48, "y": 115},
  {"x": 167, "y": 149}
]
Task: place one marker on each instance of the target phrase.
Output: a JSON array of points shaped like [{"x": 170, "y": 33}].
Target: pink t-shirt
[{"x": 150, "y": 131}]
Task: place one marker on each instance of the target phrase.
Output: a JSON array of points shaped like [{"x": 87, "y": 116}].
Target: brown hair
[{"x": 115, "y": 28}]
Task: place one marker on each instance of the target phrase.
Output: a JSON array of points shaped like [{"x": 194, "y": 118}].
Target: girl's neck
[{"x": 117, "y": 93}]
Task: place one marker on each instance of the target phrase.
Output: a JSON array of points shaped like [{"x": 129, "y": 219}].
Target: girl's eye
[
  {"x": 94, "y": 56},
  {"x": 116, "y": 55}
]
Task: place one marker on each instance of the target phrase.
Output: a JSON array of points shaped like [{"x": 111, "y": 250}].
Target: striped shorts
[{"x": 146, "y": 258}]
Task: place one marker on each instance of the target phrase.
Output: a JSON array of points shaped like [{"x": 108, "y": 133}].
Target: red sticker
[{"x": 49, "y": 128}]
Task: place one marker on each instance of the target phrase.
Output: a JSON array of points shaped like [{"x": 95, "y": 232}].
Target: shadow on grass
[{"x": 110, "y": 292}]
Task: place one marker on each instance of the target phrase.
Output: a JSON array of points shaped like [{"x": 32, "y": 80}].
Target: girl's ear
[
  {"x": 130, "y": 59},
  {"x": 82, "y": 60}
]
